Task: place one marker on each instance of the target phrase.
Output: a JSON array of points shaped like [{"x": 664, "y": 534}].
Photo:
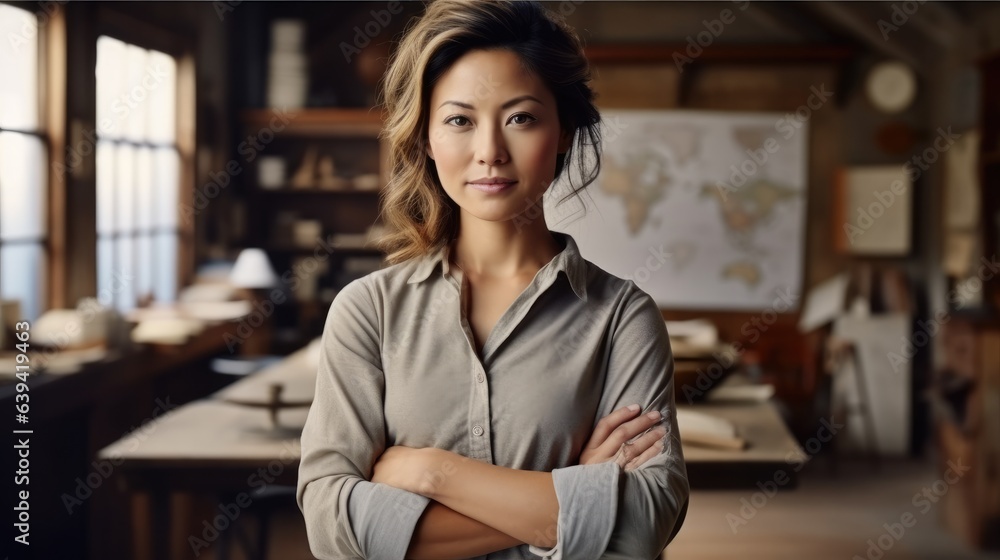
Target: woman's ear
[{"x": 427, "y": 148}]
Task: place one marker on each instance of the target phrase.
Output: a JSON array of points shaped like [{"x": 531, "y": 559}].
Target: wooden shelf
[
  {"x": 318, "y": 191},
  {"x": 346, "y": 251},
  {"x": 352, "y": 137},
  {"x": 332, "y": 121}
]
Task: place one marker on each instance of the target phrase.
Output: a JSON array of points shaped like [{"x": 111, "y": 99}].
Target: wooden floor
[{"x": 825, "y": 518}]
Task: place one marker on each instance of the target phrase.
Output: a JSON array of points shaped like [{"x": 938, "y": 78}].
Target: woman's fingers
[
  {"x": 653, "y": 451},
  {"x": 624, "y": 436},
  {"x": 644, "y": 446},
  {"x": 627, "y": 431},
  {"x": 608, "y": 424},
  {"x": 637, "y": 450}
]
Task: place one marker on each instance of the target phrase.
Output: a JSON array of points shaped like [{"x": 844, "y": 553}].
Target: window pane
[
  {"x": 105, "y": 187},
  {"x": 165, "y": 278},
  {"x": 22, "y": 277},
  {"x": 110, "y": 87},
  {"x": 135, "y": 98},
  {"x": 123, "y": 275},
  {"x": 124, "y": 188},
  {"x": 19, "y": 61},
  {"x": 105, "y": 271},
  {"x": 162, "y": 77},
  {"x": 23, "y": 186},
  {"x": 144, "y": 266},
  {"x": 143, "y": 188},
  {"x": 166, "y": 175},
  {"x": 137, "y": 185}
]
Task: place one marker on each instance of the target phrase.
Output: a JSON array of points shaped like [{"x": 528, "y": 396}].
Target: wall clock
[{"x": 891, "y": 86}]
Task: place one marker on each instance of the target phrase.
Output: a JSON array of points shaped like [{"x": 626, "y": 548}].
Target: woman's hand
[
  {"x": 400, "y": 467},
  {"x": 613, "y": 439}
]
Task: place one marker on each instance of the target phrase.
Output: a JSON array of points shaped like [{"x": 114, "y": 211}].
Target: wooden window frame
[{"x": 51, "y": 40}]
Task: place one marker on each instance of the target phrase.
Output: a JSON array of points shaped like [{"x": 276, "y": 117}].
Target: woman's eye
[
  {"x": 519, "y": 118},
  {"x": 525, "y": 118}
]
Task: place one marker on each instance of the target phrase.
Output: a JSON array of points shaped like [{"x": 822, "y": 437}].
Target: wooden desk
[
  {"x": 771, "y": 450},
  {"x": 75, "y": 415},
  {"x": 215, "y": 447}
]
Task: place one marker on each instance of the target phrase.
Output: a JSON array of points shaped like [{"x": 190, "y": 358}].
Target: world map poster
[{"x": 702, "y": 210}]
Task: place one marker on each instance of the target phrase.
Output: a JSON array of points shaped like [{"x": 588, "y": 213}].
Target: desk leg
[
  {"x": 150, "y": 525},
  {"x": 158, "y": 531},
  {"x": 139, "y": 504}
]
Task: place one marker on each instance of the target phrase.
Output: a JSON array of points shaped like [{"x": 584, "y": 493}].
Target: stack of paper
[{"x": 698, "y": 428}]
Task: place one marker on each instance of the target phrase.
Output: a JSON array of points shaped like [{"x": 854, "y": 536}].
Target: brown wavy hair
[{"x": 419, "y": 215}]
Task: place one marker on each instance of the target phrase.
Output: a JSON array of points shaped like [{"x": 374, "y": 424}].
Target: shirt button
[
  {"x": 480, "y": 378},
  {"x": 477, "y": 430}
]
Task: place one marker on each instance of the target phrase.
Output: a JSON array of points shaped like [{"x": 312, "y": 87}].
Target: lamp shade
[{"x": 253, "y": 270}]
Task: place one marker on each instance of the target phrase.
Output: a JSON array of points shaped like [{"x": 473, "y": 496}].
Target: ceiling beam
[
  {"x": 938, "y": 23},
  {"x": 864, "y": 29},
  {"x": 790, "y": 16}
]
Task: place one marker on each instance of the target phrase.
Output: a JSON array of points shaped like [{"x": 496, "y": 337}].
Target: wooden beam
[
  {"x": 790, "y": 18},
  {"x": 690, "y": 63},
  {"x": 866, "y": 30},
  {"x": 658, "y": 53}
]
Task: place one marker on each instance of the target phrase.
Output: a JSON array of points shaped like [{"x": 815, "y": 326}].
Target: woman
[{"x": 473, "y": 397}]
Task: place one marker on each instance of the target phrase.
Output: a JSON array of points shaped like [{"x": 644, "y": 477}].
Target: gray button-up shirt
[{"x": 399, "y": 367}]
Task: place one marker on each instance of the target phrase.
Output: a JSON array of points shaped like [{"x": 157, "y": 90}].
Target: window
[
  {"x": 23, "y": 165},
  {"x": 138, "y": 173}
]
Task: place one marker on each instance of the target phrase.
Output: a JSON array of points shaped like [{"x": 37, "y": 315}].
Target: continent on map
[
  {"x": 683, "y": 252},
  {"x": 684, "y": 142},
  {"x": 746, "y": 208},
  {"x": 751, "y": 137},
  {"x": 746, "y": 271},
  {"x": 641, "y": 179}
]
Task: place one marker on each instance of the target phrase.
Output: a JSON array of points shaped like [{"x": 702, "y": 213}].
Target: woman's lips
[{"x": 492, "y": 188}]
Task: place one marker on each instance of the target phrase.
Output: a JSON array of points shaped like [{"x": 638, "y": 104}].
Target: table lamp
[
  {"x": 253, "y": 270},
  {"x": 253, "y": 273}
]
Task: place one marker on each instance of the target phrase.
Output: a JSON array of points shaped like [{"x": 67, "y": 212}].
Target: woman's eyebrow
[{"x": 509, "y": 103}]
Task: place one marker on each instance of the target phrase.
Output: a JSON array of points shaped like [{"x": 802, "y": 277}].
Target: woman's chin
[
  {"x": 500, "y": 209},
  {"x": 497, "y": 213}
]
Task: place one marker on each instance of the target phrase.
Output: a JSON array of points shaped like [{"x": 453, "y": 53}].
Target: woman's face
[{"x": 493, "y": 135}]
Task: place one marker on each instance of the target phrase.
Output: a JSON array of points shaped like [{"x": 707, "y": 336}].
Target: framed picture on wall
[{"x": 874, "y": 211}]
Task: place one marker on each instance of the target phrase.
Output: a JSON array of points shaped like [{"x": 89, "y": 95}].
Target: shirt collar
[{"x": 568, "y": 261}]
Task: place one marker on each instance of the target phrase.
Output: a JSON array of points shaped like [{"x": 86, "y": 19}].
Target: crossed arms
[{"x": 361, "y": 499}]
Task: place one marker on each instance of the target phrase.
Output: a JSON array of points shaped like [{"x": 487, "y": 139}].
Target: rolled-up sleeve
[
  {"x": 346, "y": 515},
  {"x": 604, "y": 511}
]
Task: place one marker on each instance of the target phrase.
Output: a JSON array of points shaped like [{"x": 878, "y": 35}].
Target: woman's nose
[{"x": 491, "y": 148}]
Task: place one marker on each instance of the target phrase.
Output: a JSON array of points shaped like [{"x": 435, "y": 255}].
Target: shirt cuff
[
  {"x": 383, "y": 519},
  {"x": 588, "y": 507}
]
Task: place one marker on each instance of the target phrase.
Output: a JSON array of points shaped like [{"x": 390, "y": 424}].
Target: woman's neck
[{"x": 503, "y": 249}]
